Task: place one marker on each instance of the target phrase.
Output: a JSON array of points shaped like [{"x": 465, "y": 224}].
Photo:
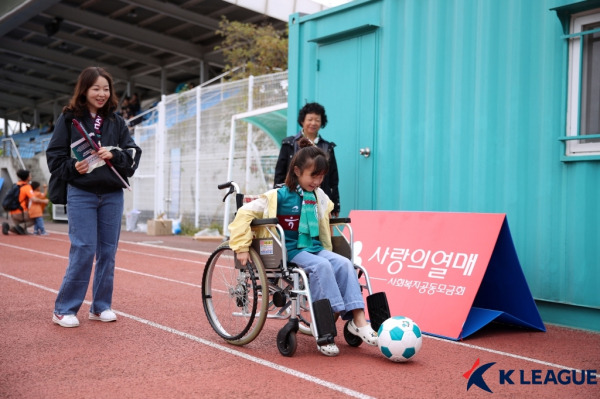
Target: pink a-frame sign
[{"x": 452, "y": 273}]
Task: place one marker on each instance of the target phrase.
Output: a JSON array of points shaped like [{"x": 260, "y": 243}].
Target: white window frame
[{"x": 577, "y": 147}]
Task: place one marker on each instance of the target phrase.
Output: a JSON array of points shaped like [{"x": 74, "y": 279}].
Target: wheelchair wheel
[
  {"x": 287, "y": 342},
  {"x": 235, "y": 299},
  {"x": 350, "y": 338},
  {"x": 280, "y": 306}
]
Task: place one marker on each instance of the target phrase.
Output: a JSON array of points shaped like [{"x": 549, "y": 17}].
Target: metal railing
[{"x": 10, "y": 149}]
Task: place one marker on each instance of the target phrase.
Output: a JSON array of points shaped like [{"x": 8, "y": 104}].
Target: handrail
[
  {"x": 44, "y": 143},
  {"x": 141, "y": 114},
  {"x": 149, "y": 110},
  {"x": 221, "y": 76},
  {"x": 13, "y": 150}
]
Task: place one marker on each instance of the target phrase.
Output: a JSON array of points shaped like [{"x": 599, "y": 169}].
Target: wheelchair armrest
[
  {"x": 339, "y": 220},
  {"x": 262, "y": 222}
]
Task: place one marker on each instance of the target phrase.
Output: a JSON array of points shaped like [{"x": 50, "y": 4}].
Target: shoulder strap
[{"x": 68, "y": 123}]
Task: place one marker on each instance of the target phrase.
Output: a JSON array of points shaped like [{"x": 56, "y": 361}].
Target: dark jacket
[
  {"x": 114, "y": 135},
  {"x": 289, "y": 146}
]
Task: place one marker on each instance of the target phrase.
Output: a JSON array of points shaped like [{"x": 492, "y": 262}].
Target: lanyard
[{"x": 98, "y": 120}]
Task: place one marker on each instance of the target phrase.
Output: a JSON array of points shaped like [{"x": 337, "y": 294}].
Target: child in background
[
  {"x": 36, "y": 209},
  {"x": 303, "y": 210}
]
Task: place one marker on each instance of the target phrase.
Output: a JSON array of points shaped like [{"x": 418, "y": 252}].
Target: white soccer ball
[{"x": 399, "y": 338}]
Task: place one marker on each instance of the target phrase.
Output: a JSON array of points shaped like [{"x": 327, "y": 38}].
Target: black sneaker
[
  {"x": 19, "y": 230},
  {"x": 5, "y": 228}
]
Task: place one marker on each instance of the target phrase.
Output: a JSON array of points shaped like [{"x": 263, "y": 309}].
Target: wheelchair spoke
[{"x": 232, "y": 297}]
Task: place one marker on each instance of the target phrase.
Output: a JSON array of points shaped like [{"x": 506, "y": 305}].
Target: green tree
[{"x": 258, "y": 50}]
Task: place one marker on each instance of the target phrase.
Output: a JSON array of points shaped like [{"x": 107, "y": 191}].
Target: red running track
[{"x": 163, "y": 347}]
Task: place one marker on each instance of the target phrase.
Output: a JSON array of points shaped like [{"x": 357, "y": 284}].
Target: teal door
[{"x": 346, "y": 79}]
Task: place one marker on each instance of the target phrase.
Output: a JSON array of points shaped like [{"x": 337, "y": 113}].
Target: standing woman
[
  {"x": 94, "y": 194},
  {"x": 311, "y": 118}
]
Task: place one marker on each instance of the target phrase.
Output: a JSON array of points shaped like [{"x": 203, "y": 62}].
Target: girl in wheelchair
[{"x": 303, "y": 210}]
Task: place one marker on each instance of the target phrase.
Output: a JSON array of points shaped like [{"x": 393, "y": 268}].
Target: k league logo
[
  {"x": 475, "y": 376},
  {"x": 530, "y": 377}
]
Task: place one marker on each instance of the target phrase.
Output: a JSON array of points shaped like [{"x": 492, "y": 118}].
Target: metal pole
[
  {"x": 249, "y": 135},
  {"x": 161, "y": 133},
  {"x": 229, "y": 173},
  {"x": 198, "y": 144}
]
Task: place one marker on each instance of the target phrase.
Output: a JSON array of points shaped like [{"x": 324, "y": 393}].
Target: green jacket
[{"x": 265, "y": 207}]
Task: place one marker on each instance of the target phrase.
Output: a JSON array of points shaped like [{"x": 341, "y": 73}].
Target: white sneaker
[
  {"x": 329, "y": 349},
  {"x": 107, "y": 315},
  {"x": 366, "y": 333},
  {"x": 66, "y": 320}
]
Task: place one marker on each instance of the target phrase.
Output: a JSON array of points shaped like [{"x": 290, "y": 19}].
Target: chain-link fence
[{"x": 186, "y": 150}]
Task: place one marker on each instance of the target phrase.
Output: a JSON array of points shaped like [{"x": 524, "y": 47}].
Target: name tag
[{"x": 289, "y": 222}]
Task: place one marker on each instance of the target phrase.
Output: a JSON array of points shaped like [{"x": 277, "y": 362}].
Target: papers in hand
[
  {"x": 83, "y": 150},
  {"x": 87, "y": 137}
]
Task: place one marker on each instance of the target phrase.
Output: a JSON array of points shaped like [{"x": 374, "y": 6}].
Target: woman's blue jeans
[
  {"x": 94, "y": 230},
  {"x": 332, "y": 276}
]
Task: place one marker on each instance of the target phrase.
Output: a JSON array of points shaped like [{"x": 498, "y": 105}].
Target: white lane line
[
  {"x": 141, "y": 244},
  {"x": 151, "y": 244},
  {"x": 266, "y": 363},
  {"x": 33, "y": 250},
  {"x": 158, "y": 277},
  {"x": 528, "y": 359},
  {"x": 507, "y": 354},
  {"x": 166, "y": 257},
  {"x": 118, "y": 268}
]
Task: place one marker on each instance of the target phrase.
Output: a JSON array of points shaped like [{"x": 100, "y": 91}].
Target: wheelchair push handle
[
  {"x": 233, "y": 188},
  {"x": 339, "y": 221},
  {"x": 263, "y": 222},
  {"x": 226, "y": 185}
]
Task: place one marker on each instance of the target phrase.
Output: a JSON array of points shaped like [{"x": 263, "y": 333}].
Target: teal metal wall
[{"x": 470, "y": 100}]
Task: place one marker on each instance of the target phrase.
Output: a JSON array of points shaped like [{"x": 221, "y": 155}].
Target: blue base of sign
[{"x": 503, "y": 295}]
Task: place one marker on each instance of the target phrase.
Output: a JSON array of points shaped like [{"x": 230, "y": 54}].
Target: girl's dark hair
[
  {"x": 35, "y": 184},
  {"x": 308, "y": 155},
  {"x": 312, "y": 108},
  {"x": 87, "y": 78}
]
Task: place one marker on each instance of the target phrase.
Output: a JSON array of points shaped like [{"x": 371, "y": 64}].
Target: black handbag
[
  {"x": 57, "y": 187},
  {"x": 57, "y": 190}
]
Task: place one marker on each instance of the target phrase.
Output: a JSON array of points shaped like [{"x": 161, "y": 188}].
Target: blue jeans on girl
[
  {"x": 38, "y": 226},
  {"x": 94, "y": 230},
  {"x": 332, "y": 276}
]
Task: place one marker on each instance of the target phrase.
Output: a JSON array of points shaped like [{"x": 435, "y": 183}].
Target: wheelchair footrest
[
  {"x": 379, "y": 310},
  {"x": 324, "y": 322}
]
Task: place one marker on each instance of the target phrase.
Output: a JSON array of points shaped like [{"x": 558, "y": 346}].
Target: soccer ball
[{"x": 399, "y": 338}]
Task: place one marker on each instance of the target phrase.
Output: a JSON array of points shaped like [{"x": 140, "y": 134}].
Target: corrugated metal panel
[{"x": 471, "y": 102}]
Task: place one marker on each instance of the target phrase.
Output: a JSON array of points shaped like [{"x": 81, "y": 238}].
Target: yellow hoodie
[{"x": 265, "y": 207}]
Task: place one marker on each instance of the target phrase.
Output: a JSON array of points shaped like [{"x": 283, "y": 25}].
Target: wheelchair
[{"x": 239, "y": 299}]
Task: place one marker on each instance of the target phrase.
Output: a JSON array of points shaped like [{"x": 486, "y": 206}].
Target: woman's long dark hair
[
  {"x": 308, "y": 155},
  {"x": 87, "y": 78}
]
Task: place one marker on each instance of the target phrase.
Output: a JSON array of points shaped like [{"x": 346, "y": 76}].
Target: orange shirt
[
  {"x": 36, "y": 209},
  {"x": 24, "y": 196}
]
